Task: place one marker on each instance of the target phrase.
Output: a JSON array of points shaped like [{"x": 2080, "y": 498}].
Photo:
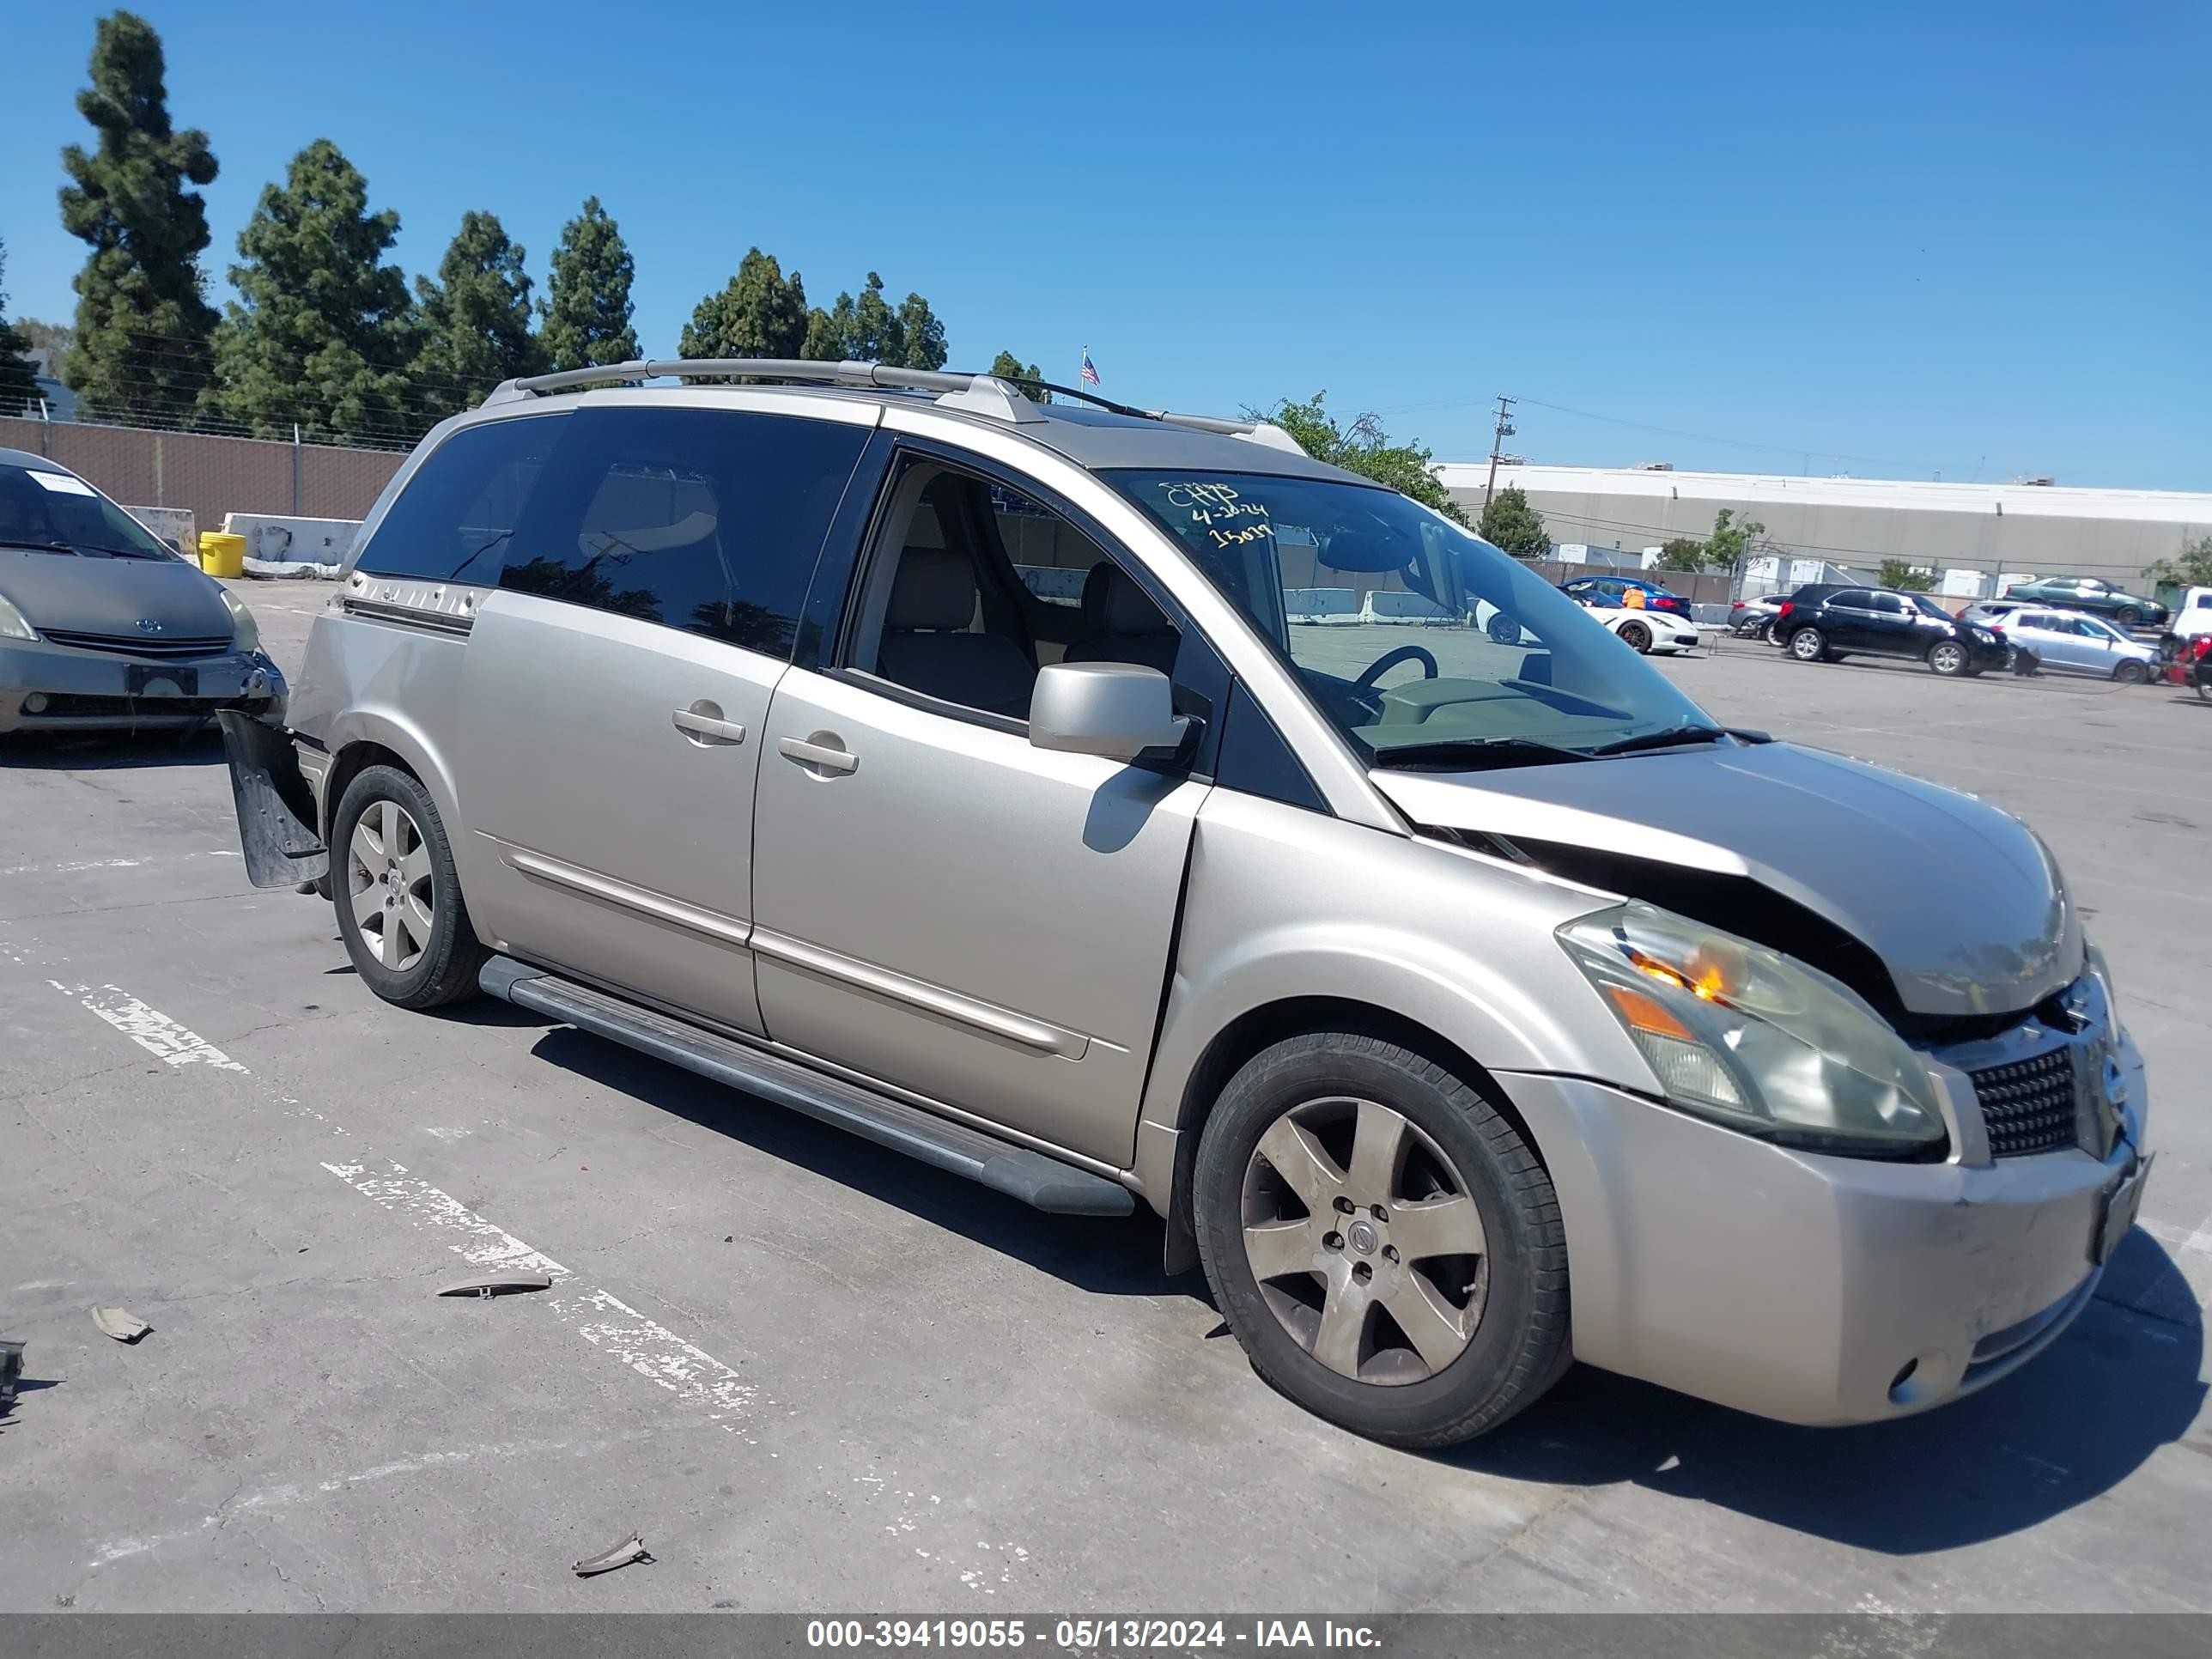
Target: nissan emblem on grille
[{"x": 147, "y": 625}]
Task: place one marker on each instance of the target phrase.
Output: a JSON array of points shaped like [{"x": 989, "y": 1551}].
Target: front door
[
  {"x": 615, "y": 691},
  {"x": 939, "y": 905}
]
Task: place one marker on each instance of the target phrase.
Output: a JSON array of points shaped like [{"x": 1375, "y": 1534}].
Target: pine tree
[
  {"x": 19, "y": 380},
  {"x": 144, "y": 329},
  {"x": 758, "y": 314},
  {"x": 472, "y": 324},
  {"x": 1007, "y": 367},
  {"x": 920, "y": 334},
  {"x": 586, "y": 319},
  {"x": 323, "y": 333}
]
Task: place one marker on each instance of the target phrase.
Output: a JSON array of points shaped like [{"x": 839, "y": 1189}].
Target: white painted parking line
[
  {"x": 75, "y": 866},
  {"x": 600, "y": 1317},
  {"x": 149, "y": 1028}
]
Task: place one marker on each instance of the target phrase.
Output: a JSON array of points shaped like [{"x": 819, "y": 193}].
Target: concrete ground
[{"x": 816, "y": 1376}]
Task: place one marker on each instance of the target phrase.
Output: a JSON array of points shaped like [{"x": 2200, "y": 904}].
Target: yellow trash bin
[{"x": 222, "y": 554}]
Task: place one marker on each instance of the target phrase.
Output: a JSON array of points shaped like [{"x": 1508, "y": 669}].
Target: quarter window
[{"x": 454, "y": 520}]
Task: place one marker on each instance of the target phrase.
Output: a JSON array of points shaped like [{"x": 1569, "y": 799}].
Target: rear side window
[
  {"x": 709, "y": 521},
  {"x": 459, "y": 512},
  {"x": 1854, "y": 598}
]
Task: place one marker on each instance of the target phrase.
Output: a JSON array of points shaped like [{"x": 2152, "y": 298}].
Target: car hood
[
  {"x": 114, "y": 596},
  {"x": 1962, "y": 903}
]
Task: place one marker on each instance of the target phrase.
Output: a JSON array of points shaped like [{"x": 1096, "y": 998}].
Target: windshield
[
  {"x": 1410, "y": 632},
  {"x": 62, "y": 514}
]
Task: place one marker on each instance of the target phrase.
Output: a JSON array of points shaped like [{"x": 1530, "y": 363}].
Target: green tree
[
  {"x": 2192, "y": 567},
  {"x": 922, "y": 335},
  {"x": 1364, "y": 448},
  {"x": 46, "y": 337},
  {"x": 586, "y": 319},
  {"x": 1910, "y": 578},
  {"x": 1730, "y": 542},
  {"x": 758, "y": 315},
  {"x": 322, "y": 328},
  {"x": 1007, "y": 367},
  {"x": 19, "y": 380},
  {"x": 144, "y": 330},
  {"x": 1684, "y": 553},
  {"x": 825, "y": 336},
  {"x": 1509, "y": 522},
  {"x": 472, "y": 324}
]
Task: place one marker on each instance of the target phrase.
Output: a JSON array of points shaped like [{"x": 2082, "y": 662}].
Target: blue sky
[{"x": 1972, "y": 239}]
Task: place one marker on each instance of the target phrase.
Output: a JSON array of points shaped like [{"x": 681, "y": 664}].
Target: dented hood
[{"x": 1962, "y": 902}]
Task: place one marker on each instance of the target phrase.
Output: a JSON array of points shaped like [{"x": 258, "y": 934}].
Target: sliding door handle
[
  {"x": 824, "y": 758},
  {"x": 703, "y": 723}
]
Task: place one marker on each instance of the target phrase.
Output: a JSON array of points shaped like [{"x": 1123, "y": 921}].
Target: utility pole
[{"x": 1504, "y": 431}]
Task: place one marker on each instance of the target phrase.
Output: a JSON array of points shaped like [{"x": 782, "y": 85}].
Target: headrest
[
  {"x": 934, "y": 592},
  {"x": 1113, "y": 605}
]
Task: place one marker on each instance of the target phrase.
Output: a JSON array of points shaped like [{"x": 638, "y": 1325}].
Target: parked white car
[
  {"x": 2192, "y": 615},
  {"x": 1647, "y": 630}
]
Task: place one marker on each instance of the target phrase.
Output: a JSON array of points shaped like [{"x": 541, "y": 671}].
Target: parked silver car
[
  {"x": 948, "y": 767},
  {"x": 104, "y": 627},
  {"x": 2068, "y": 641}
]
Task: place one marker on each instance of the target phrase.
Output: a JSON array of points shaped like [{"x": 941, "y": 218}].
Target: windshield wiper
[
  {"x": 81, "y": 548},
  {"x": 1675, "y": 736},
  {"x": 1476, "y": 752},
  {"x": 38, "y": 547}
]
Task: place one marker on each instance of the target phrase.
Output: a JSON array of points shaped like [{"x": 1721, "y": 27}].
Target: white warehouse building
[{"x": 1968, "y": 536}]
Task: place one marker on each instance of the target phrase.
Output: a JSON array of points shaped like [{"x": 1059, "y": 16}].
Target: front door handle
[
  {"x": 708, "y": 728},
  {"x": 820, "y": 757}
]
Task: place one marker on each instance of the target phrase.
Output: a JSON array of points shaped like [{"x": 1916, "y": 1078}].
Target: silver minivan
[{"x": 1121, "y": 808}]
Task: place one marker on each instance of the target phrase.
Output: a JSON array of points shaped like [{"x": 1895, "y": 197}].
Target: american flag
[{"x": 1090, "y": 370}]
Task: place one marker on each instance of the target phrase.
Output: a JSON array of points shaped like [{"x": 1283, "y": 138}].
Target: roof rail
[{"x": 983, "y": 393}]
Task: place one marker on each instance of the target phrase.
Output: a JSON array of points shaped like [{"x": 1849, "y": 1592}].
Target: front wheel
[
  {"x": 1807, "y": 645},
  {"x": 2128, "y": 615},
  {"x": 1948, "y": 658},
  {"x": 1636, "y": 636},
  {"x": 2130, "y": 672},
  {"x": 398, "y": 901},
  {"x": 1383, "y": 1243}
]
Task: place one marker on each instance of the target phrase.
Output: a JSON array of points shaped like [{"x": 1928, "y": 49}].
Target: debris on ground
[
  {"x": 122, "y": 1325},
  {"x": 11, "y": 1367},
  {"x": 498, "y": 1284},
  {"x": 631, "y": 1548}
]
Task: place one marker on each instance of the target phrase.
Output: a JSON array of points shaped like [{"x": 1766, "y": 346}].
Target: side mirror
[{"x": 1116, "y": 710}]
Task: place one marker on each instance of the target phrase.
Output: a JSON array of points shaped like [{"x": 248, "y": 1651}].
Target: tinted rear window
[{"x": 708, "y": 521}]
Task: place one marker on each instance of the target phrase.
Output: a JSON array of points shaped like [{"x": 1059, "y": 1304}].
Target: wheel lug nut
[
  {"x": 1333, "y": 1241},
  {"x": 1362, "y": 1272},
  {"x": 1389, "y": 1252},
  {"x": 1344, "y": 1206},
  {"x": 1379, "y": 1213}
]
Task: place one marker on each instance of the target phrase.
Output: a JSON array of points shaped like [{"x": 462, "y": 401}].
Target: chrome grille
[
  {"x": 157, "y": 646},
  {"x": 2028, "y": 1105}
]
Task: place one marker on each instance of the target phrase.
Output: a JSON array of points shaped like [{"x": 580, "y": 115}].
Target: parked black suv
[{"x": 1827, "y": 622}]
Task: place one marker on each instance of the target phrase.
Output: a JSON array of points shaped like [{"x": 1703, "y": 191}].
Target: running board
[{"x": 1042, "y": 1182}]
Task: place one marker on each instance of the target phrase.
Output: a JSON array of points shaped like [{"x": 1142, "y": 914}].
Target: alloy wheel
[
  {"x": 1805, "y": 644},
  {"x": 1366, "y": 1240},
  {"x": 1636, "y": 635},
  {"x": 1948, "y": 659},
  {"x": 389, "y": 884}
]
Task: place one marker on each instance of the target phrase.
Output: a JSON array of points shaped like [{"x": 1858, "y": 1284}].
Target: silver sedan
[{"x": 2070, "y": 642}]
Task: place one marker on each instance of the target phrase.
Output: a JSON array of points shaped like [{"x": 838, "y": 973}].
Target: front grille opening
[
  {"x": 156, "y": 646},
  {"x": 2028, "y": 1104}
]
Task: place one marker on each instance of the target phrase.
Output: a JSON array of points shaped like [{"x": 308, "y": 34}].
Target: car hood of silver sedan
[
  {"x": 114, "y": 596},
  {"x": 1961, "y": 902}
]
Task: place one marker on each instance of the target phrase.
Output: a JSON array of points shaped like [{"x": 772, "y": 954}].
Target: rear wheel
[
  {"x": 2128, "y": 615},
  {"x": 1948, "y": 658},
  {"x": 398, "y": 901},
  {"x": 1808, "y": 644},
  {"x": 1636, "y": 636},
  {"x": 2130, "y": 672},
  {"x": 1381, "y": 1240}
]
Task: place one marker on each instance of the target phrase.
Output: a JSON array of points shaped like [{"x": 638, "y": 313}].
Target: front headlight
[
  {"x": 248, "y": 632},
  {"x": 1754, "y": 1040},
  {"x": 12, "y": 625}
]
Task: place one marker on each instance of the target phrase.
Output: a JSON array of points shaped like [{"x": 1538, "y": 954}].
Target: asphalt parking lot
[{"x": 818, "y": 1377}]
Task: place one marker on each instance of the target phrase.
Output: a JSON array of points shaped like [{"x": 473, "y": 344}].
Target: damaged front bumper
[
  {"x": 45, "y": 687},
  {"x": 279, "y": 814}
]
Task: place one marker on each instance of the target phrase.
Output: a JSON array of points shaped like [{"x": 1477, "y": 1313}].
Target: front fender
[{"x": 1285, "y": 905}]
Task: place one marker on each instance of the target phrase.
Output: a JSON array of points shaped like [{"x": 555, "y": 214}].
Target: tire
[
  {"x": 2127, "y": 616},
  {"x": 415, "y": 949},
  {"x": 1636, "y": 636},
  {"x": 1494, "y": 1317},
  {"x": 1950, "y": 658},
  {"x": 1807, "y": 645},
  {"x": 2130, "y": 672},
  {"x": 1502, "y": 629}
]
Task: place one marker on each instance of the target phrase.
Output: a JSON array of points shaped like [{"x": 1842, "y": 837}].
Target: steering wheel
[{"x": 1390, "y": 660}]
